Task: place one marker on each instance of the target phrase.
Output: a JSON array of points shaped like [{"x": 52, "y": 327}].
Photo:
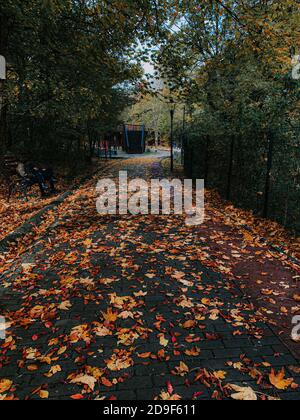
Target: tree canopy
[
  {"x": 75, "y": 65},
  {"x": 72, "y": 65}
]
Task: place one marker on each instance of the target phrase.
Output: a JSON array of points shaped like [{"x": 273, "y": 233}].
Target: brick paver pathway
[{"x": 130, "y": 290}]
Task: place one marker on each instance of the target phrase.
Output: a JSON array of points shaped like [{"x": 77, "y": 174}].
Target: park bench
[{"x": 22, "y": 183}]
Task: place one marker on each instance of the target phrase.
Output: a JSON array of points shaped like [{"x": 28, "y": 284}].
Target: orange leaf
[
  {"x": 44, "y": 394},
  {"x": 189, "y": 324},
  {"x": 110, "y": 315},
  {"x": 144, "y": 355},
  {"x": 279, "y": 380},
  {"x": 77, "y": 397},
  {"x": 195, "y": 351},
  {"x": 106, "y": 382},
  {"x": 5, "y": 385}
]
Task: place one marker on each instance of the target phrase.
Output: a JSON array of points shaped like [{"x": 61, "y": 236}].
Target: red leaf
[
  {"x": 197, "y": 394},
  {"x": 170, "y": 388}
]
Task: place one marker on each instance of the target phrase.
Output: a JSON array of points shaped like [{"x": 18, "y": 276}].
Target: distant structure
[
  {"x": 134, "y": 139},
  {"x": 130, "y": 138}
]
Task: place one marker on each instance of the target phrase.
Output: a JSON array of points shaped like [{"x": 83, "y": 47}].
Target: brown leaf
[
  {"x": 181, "y": 370},
  {"x": 189, "y": 324},
  {"x": 195, "y": 351},
  {"x": 85, "y": 380}
]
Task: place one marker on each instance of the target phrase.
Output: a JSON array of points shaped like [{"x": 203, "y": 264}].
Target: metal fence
[{"x": 260, "y": 172}]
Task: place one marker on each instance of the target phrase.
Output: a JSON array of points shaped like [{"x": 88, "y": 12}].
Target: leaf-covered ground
[
  {"x": 14, "y": 213},
  {"x": 142, "y": 308},
  {"x": 17, "y": 210}
]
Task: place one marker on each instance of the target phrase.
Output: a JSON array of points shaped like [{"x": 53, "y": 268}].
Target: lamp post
[{"x": 172, "y": 113}]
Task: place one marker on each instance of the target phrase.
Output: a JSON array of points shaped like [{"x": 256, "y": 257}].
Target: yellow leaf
[
  {"x": 120, "y": 360},
  {"x": 5, "y": 385},
  {"x": 54, "y": 369},
  {"x": 32, "y": 368},
  {"x": 44, "y": 394},
  {"x": 279, "y": 380},
  {"x": 126, "y": 315},
  {"x": 140, "y": 294},
  {"x": 102, "y": 331},
  {"x": 165, "y": 396},
  {"x": 163, "y": 341},
  {"x": 65, "y": 306},
  {"x": 220, "y": 374},
  {"x": 248, "y": 237},
  {"x": 110, "y": 315},
  {"x": 62, "y": 350},
  {"x": 205, "y": 301}
]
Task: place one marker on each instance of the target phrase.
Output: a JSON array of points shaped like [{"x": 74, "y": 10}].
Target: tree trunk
[
  {"x": 229, "y": 181},
  {"x": 3, "y": 123},
  {"x": 206, "y": 164},
  {"x": 3, "y": 105},
  {"x": 156, "y": 134},
  {"x": 3, "y": 108}
]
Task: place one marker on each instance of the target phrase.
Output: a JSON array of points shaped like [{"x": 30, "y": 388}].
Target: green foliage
[
  {"x": 72, "y": 66},
  {"x": 230, "y": 62}
]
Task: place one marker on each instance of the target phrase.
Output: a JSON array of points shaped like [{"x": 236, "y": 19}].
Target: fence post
[
  {"x": 268, "y": 176},
  {"x": 187, "y": 158},
  {"x": 3, "y": 106},
  {"x": 192, "y": 162},
  {"x": 206, "y": 163},
  {"x": 229, "y": 179}
]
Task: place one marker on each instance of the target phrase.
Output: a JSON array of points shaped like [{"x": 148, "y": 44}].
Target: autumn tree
[
  {"x": 231, "y": 63},
  {"x": 71, "y": 62}
]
